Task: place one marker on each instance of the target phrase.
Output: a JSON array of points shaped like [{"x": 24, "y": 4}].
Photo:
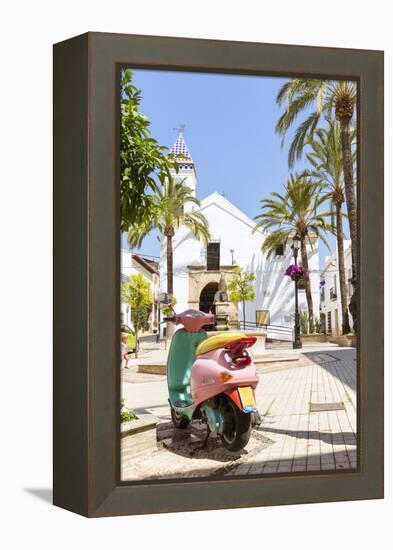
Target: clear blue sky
[{"x": 229, "y": 132}]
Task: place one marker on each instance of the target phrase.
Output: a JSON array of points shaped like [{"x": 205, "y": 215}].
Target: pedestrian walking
[{"x": 124, "y": 352}]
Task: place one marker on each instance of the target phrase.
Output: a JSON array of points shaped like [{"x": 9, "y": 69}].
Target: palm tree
[
  {"x": 326, "y": 96},
  {"x": 167, "y": 213},
  {"x": 295, "y": 212},
  {"x": 325, "y": 158}
]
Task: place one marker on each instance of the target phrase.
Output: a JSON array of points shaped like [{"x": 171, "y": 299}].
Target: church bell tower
[{"x": 186, "y": 173}]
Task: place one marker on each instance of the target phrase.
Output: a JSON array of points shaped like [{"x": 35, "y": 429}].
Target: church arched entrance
[
  {"x": 206, "y": 297},
  {"x": 203, "y": 284},
  {"x": 206, "y": 300}
]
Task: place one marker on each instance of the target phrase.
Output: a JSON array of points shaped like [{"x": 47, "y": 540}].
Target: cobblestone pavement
[{"x": 290, "y": 438}]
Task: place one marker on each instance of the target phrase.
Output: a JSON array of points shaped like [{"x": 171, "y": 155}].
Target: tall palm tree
[
  {"x": 295, "y": 212},
  {"x": 325, "y": 158},
  {"x": 325, "y": 96},
  {"x": 167, "y": 213}
]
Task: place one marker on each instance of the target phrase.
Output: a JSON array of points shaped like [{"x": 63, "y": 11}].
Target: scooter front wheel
[
  {"x": 179, "y": 421},
  {"x": 237, "y": 427}
]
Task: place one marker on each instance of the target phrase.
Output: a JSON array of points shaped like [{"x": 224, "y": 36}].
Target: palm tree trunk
[
  {"x": 341, "y": 269},
  {"x": 307, "y": 285},
  {"x": 169, "y": 275},
  {"x": 169, "y": 265},
  {"x": 350, "y": 197}
]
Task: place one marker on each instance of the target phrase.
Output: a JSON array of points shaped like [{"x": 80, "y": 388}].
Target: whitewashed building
[
  {"x": 133, "y": 264},
  {"x": 330, "y": 290},
  {"x": 233, "y": 244}
]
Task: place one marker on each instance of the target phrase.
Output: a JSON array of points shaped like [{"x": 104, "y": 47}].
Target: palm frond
[
  {"x": 306, "y": 128},
  {"x": 297, "y": 211}
]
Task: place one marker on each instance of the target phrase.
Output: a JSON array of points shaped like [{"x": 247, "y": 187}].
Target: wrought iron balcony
[{"x": 333, "y": 294}]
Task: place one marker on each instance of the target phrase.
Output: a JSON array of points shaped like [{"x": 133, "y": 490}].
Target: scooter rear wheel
[
  {"x": 237, "y": 427},
  {"x": 179, "y": 421}
]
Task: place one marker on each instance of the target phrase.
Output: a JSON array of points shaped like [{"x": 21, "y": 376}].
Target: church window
[
  {"x": 280, "y": 250},
  {"x": 213, "y": 256}
]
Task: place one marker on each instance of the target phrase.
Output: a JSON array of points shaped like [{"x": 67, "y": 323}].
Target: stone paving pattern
[
  {"x": 291, "y": 438},
  {"x": 305, "y": 441}
]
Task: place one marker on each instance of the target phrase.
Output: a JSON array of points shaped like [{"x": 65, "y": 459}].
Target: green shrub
[
  {"x": 303, "y": 319},
  {"x": 317, "y": 324},
  {"x": 305, "y": 325},
  {"x": 126, "y": 414}
]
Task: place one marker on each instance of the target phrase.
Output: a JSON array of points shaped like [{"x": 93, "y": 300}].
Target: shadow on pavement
[
  {"x": 336, "y": 438},
  {"x": 189, "y": 443},
  {"x": 341, "y": 354}
]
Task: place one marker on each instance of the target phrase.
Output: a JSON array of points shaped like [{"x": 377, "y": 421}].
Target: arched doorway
[
  {"x": 206, "y": 297},
  {"x": 206, "y": 300}
]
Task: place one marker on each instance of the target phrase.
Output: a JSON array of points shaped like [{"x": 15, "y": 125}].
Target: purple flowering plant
[{"x": 296, "y": 272}]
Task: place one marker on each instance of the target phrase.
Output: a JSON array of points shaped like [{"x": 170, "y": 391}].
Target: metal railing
[{"x": 274, "y": 332}]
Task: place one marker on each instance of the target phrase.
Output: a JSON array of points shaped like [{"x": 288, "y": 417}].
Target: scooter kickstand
[{"x": 203, "y": 445}]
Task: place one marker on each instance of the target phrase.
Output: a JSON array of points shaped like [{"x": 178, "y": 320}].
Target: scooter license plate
[{"x": 247, "y": 398}]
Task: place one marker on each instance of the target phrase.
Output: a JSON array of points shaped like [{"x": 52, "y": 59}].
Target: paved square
[
  {"x": 290, "y": 438},
  {"x": 304, "y": 440}
]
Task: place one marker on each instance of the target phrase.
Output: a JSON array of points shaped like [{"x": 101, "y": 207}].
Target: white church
[{"x": 198, "y": 269}]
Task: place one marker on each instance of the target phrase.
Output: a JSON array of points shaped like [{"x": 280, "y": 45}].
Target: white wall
[
  {"x": 274, "y": 290},
  {"x": 187, "y": 176},
  {"x": 330, "y": 275}
]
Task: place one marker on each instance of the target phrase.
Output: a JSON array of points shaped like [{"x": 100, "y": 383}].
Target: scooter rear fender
[{"x": 235, "y": 397}]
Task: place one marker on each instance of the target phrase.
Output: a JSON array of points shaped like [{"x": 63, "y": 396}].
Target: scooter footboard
[{"x": 244, "y": 398}]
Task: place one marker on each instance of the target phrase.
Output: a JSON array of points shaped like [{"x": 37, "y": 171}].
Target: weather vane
[{"x": 181, "y": 128}]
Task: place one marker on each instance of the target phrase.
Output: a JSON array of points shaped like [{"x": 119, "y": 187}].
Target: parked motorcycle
[{"x": 212, "y": 380}]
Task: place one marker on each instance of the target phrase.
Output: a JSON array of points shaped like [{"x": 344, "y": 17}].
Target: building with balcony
[{"x": 330, "y": 291}]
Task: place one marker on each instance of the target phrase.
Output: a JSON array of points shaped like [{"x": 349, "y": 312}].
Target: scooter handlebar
[{"x": 169, "y": 319}]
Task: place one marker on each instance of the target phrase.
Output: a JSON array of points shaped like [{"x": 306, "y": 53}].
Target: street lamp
[
  {"x": 232, "y": 253},
  {"x": 297, "y": 343}
]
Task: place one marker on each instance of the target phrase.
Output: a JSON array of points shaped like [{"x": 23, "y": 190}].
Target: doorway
[{"x": 206, "y": 298}]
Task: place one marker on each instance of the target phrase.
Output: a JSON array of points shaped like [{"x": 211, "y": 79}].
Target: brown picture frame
[{"x": 87, "y": 265}]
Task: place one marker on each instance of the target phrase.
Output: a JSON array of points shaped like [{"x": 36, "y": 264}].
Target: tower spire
[
  {"x": 186, "y": 172},
  {"x": 180, "y": 151}
]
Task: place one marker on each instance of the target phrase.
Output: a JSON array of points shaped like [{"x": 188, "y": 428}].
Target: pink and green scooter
[{"x": 212, "y": 380}]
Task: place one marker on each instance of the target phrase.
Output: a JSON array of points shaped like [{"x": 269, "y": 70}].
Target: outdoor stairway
[{"x": 280, "y": 345}]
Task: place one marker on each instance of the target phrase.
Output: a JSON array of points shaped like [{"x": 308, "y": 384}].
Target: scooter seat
[{"x": 218, "y": 341}]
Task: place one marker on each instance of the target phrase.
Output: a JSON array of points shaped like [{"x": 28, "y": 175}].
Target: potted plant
[{"x": 296, "y": 272}]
